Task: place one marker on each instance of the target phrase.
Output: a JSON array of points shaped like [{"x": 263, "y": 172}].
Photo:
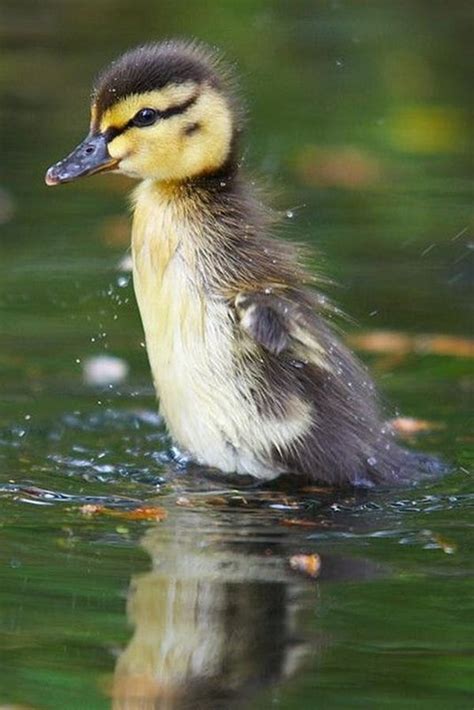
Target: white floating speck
[
  {"x": 103, "y": 370},
  {"x": 123, "y": 281},
  {"x": 125, "y": 263}
]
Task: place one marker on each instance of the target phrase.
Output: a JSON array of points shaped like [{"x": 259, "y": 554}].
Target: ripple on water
[
  {"x": 112, "y": 420},
  {"x": 27, "y": 493},
  {"x": 103, "y": 446},
  {"x": 118, "y": 447}
]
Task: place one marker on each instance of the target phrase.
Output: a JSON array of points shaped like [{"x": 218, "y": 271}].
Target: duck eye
[{"x": 145, "y": 117}]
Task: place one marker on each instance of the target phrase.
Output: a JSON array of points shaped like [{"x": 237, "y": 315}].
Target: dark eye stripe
[
  {"x": 113, "y": 131},
  {"x": 179, "y": 108}
]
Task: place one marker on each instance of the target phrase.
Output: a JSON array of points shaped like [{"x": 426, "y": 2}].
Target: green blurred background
[{"x": 358, "y": 123}]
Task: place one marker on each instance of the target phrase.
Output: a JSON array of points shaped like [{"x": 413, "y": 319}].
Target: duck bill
[{"x": 90, "y": 157}]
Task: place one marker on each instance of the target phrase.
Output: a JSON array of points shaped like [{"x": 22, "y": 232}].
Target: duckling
[{"x": 250, "y": 376}]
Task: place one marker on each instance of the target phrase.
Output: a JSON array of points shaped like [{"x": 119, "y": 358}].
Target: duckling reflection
[
  {"x": 216, "y": 619},
  {"x": 212, "y": 625}
]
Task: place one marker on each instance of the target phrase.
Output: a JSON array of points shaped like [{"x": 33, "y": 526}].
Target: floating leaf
[
  {"x": 184, "y": 502},
  {"x": 391, "y": 342},
  {"x": 217, "y": 501},
  {"x": 447, "y": 546},
  {"x": 299, "y": 523},
  {"x": 382, "y": 341},
  {"x": 90, "y": 509},
  {"x": 407, "y": 426},
  {"x": 318, "y": 489},
  {"x": 309, "y": 565},
  {"x": 445, "y": 345},
  {"x": 440, "y": 542},
  {"x": 145, "y": 513}
]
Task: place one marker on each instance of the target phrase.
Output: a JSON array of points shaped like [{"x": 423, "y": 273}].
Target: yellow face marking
[
  {"x": 165, "y": 151},
  {"x": 120, "y": 113}
]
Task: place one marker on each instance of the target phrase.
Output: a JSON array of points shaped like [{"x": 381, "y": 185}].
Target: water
[{"x": 362, "y": 129}]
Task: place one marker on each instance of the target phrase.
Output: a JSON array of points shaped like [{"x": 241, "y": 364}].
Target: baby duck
[{"x": 250, "y": 377}]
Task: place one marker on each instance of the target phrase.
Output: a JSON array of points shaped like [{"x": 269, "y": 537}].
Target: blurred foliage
[{"x": 358, "y": 123}]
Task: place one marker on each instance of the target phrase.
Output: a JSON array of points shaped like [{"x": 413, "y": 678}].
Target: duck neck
[
  {"x": 170, "y": 212},
  {"x": 218, "y": 225}
]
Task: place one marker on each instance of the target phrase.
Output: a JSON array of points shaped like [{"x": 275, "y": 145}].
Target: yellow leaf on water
[
  {"x": 407, "y": 426},
  {"x": 90, "y": 509},
  {"x": 447, "y": 546},
  {"x": 184, "y": 502},
  {"x": 445, "y": 345},
  {"x": 145, "y": 513},
  {"x": 299, "y": 523},
  {"x": 382, "y": 341},
  {"x": 309, "y": 565},
  {"x": 393, "y": 342}
]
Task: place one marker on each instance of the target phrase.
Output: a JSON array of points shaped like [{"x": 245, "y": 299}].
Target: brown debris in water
[
  {"x": 153, "y": 513},
  {"x": 396, "y": 343},
  {"x": 308, "y": 565},
  {"x": 184, "y": 502},
  {"x": 318, "y": 489},
  {"x": 408, "y": 426},
  {"x": 447, "y": 546},
  {"x": 301, "y": 523}
]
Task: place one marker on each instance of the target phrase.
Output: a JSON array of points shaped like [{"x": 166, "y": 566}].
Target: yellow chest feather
[{"x": 189, "y": 332}]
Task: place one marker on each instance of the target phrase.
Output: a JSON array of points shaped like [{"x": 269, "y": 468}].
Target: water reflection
[
  {"x": 364, "y": 123},
  {"x": 217, "y": 620}
]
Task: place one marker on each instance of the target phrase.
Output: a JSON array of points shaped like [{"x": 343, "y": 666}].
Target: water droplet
[
  {"x": 123, "y": 281},
  {"x": 372, "y": 461},
  {"x": 299, "y": 364}
]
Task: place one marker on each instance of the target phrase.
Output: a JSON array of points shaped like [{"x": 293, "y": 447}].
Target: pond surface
[{"x": 358, "y": 119}]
